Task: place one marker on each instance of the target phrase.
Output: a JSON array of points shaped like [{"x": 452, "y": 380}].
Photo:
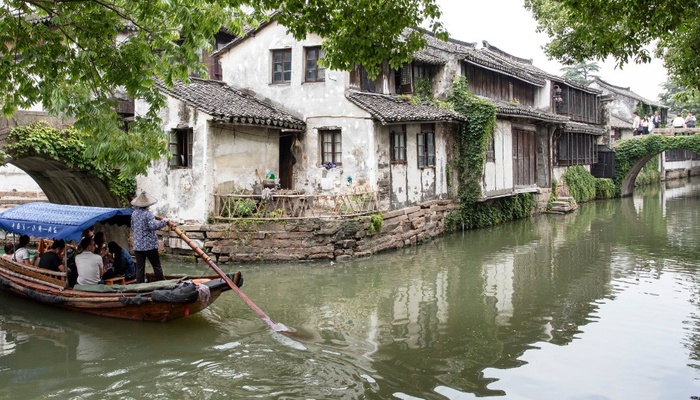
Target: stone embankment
[{"x": 313, "y": 239}]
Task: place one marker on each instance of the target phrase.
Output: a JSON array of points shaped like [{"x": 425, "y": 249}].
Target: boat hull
[{"x": 124, "y": 305}]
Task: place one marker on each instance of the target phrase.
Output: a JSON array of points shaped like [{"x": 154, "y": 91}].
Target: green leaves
[{"x": 595, "y": 29}]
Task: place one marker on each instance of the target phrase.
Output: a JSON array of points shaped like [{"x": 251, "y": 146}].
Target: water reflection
[{"x": 602, "y": 303}]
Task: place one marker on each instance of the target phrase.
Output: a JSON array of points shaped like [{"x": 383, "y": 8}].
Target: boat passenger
[
  {"x": 88, "y": 232},
  {"x": 144, "y": 224},
  {"x": 100, "y": 242},
  {"x": 101, "y": 249},
  {"x": 9, "y": 249},
  {"x": 52, "y": 259},
  {"x": 88, "y": 264},
  {"x": 21, "y": 254},
  {"x": 122, "y": 265}
]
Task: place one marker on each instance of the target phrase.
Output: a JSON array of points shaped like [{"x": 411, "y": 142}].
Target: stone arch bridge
[
  {"x": 631, "y": 155},
  {"x": 59, "y": 182}
]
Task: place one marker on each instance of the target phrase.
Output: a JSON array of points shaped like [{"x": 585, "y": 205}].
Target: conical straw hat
[{"x": 143, "y": 200}]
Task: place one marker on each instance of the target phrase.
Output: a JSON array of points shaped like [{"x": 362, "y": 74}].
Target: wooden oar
[{"x": 273, "y": 325}]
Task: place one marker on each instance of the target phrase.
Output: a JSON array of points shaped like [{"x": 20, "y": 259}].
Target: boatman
[{"x": 145, "y": 225}]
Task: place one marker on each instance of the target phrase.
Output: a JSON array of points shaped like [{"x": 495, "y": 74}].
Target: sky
[{"x": 507, "y": 25}]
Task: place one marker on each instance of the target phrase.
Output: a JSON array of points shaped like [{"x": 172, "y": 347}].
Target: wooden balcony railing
[{"x": 294, "y": 206}]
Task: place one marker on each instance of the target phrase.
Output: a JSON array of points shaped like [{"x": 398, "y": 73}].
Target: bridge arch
[
  {"x": 39, "y": 147},
  {"x": 631, "y": 155},
  {"x": 64, "y": 185}
]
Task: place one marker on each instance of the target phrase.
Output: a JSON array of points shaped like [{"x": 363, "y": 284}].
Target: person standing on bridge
[
  {"x": 636, "y": 124},
  {"x": 645, "y": 125},
  {"x": 656, "y": 120},
  {"x": 144, "y": 225}
]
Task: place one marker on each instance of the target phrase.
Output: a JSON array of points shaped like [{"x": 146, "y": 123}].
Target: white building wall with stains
[
  {"x": 180, "y": 191},
  {"x": 322, "y": 105},
  {"x": 498, "y": 174},
  {"x": 223, "y": 157}
]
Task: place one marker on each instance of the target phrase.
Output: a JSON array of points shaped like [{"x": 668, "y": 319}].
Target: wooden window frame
[
  {"x": 181, "y": 146},
  {"x": 398, "y": 145},
  {"x": 331, "y": 141},
  {"x": 491, "y": 149},
  {"x": 576, "y": 149},
  {"x": 311, "y": 65},
  {"x": 425, "y": 146},
  {"x": 282, "y": 63}
]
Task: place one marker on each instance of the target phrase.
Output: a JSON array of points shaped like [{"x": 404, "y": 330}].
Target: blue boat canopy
[{"x": 59, "y": 221}]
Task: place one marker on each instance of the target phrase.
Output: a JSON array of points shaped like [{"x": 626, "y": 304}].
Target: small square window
[
  {"x": 398, "y": 145},
  {"x": 281, "y": 66},
  {"x": 180, "y": 146},
  {"x": 314, "y": 72},
  {"x": 426, "y": 146},
  {"x": 331, "y": 147}
]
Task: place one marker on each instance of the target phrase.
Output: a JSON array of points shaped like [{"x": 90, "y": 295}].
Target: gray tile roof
[
  {"x": 617, "y": 122},
  {"x": 227, "y": 104},
  {"x": 392, "y": 109},
  {"x": 527, "y": 65},
  {"x": 519, "y": 111},
  {"x": 625, "y": 91},
  {"x": 578, "y": 127}
]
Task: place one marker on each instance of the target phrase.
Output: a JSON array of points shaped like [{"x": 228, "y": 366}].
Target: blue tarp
[{"x": 59, "y": 221}]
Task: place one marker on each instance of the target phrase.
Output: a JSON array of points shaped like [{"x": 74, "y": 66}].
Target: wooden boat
[{"x": 176, "y": 297}]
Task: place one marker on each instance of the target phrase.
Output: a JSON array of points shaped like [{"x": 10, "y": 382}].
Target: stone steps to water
[{"x": 563, "y": 205}]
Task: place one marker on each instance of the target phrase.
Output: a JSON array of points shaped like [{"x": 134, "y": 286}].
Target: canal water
[{"x": 602, "y": 303}]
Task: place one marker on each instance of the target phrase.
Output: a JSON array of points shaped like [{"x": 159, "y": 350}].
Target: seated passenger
[
  {"x": 88, "y": 264},
  {"x": 9, "y": 249},
  {"x": 52, "y": 259},
  {"x": 21, "y": 254},
  {"x": 122, "y": 263},
  {"x": 101, "y": 249}
]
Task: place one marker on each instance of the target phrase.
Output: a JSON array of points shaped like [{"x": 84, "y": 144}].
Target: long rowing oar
[{"x": 273, "y": 325}]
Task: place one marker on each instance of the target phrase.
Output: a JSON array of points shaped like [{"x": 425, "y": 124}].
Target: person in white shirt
[
  {"x": 21, "y": 254},
  {"x": 88, "y": 263},
  {"x": 636, "y": 124},
  {"x": 656, "y": 120},
  {"x": 679, "y": 122}
]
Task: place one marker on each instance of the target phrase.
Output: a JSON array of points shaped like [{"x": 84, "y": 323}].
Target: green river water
[{"x": 598, "y": 304}]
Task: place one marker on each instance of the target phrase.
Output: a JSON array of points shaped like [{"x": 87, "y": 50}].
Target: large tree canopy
[
  {"x": 64, "y": 55},
  {"x": 595, "y": 29}
]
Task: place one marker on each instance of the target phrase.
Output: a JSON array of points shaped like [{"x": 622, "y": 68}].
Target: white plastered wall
[{"x": 498, "y": 175}]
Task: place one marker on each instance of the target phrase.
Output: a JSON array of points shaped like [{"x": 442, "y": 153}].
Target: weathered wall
[
  {"x": 313, "y": 239},
  {"x": 321, "y": 104},
  {"x": 185, "y": 192},
  {"x": 224, "y": 157},
  {"x": 402, "y": 184},
  {"x": 498, "y": 175}
]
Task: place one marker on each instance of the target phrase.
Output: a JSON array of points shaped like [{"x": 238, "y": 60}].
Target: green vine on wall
[
  {"x": 39, "y": 139},
  {"x": 471, "y": 143}
]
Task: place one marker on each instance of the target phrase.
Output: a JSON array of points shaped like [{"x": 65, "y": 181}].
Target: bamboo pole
[{"x": 270, "y": 323}]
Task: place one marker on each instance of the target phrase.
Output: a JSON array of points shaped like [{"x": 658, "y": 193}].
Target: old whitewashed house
[
  {"x": 318, "y": 132},
  {"x": 361, "y": 137}
]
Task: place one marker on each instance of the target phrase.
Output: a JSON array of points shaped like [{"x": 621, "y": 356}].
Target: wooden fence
[{"x": 294, "y": 206}]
